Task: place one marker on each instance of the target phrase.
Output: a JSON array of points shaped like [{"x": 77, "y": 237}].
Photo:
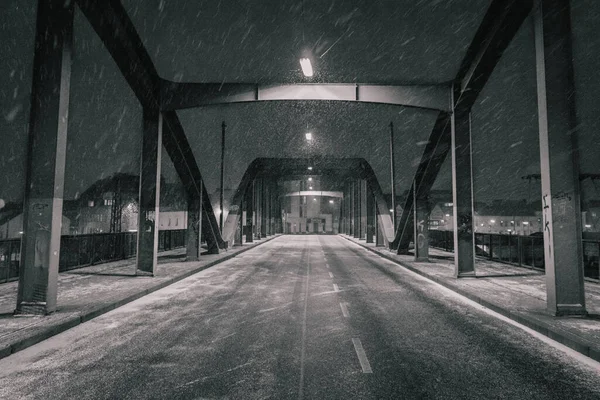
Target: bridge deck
[{"x": 299, "y": 317}]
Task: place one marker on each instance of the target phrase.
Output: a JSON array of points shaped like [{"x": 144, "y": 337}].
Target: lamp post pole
[
  {"x": 223, "y": 126},
  {"x": 393, "y": 173}
]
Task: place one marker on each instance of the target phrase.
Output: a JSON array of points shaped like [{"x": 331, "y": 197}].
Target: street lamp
[
  {"x": 308, "y": 136},
  {"x": 307, "y": 69}
]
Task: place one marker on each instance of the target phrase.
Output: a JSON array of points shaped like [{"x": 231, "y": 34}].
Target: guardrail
[
  {"x": 524, "y": 251},
  {"x": 78, "y": 251}
]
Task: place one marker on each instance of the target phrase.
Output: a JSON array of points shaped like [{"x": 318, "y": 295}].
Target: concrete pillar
[
  {"x": 559, "y": 158},
  {"x": 421, "y": 227},
  {"x": 149, "y": 192},
  {"x": 370, "y": 204},
  {"x": 46, "y": 150},
  {"x": 462, "y": 194},
  {"x": 194, "y": 229}
]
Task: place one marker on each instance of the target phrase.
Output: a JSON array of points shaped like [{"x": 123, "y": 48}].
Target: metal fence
[
  {"x": 78, "y": 251},
  {"x": 524, "y": 251}
]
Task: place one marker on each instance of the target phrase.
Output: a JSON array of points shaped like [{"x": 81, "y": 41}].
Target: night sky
[{"x": 366, "y": 41}]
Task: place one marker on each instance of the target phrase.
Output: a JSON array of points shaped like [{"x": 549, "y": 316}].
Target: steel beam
[
  {"x": 370, "y": 204},
  {"x": 462, "y": 195},
  {"x": 149, "y": 192},
  {"x": 497, "y": 29},
  {"x": 559, "y": 158},
  {"x": 45, "y": 164},
  {"x": 176, "y": 96},
  {"x": 109, "y": 20},
  {"x": 112, "y": 25},
  {"x": 194, "y": 229}
]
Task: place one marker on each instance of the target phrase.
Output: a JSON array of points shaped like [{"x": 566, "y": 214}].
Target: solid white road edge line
[{"x": 590, "y": 362}]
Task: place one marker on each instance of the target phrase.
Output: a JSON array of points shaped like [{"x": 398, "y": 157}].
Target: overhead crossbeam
[
  {"x": 499, "y": 26},
  {"x": 175, "y": 96}
]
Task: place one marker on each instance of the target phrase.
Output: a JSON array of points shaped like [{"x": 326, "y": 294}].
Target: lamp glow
[
  {"x": 310, "y": 168},
  {"x": 308, "y": 136},
  {"x": 307, "y": 69},
  {"x": 309, "y": 178}
]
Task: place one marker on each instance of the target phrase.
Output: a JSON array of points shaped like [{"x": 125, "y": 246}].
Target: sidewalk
[
  {"x": 88, "y": 292},
  {"x": 515, "y": 292}
]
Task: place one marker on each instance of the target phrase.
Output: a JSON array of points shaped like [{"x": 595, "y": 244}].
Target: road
[{"x": 300, "y": 317}]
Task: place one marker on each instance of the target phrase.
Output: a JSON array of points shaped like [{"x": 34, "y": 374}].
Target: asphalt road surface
[{"x": 300, "y": 317}]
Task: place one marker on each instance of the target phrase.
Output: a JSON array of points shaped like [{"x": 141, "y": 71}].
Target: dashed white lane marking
[
  {"x": 344, "y": 307},
  {"x": 336, "y": 288},
  {"x": 330, "y": 275},
  {"x": 590, "y": 362},
  {"x": 327, "y": 265},
  {"x": 362, "y": 356}
]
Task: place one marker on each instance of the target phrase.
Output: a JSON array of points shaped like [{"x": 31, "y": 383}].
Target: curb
[
  {"x": 581, "y": 345},
  {"x": 70, "y": 322}
]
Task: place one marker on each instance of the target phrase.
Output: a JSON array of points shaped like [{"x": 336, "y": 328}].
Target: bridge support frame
[
  {"x": 462, "y": 193},
  {"x": 559, "y": 159},
  {"x": 149, "y": 192},
  {"x": 421, "y": 227},
  {"x": 194, "y": 229},
  {"x": 370, "y": 204},
  {"x": 46, "y": 155}
]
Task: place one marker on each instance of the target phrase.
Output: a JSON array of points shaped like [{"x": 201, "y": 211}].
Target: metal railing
[
  {"x": 524, "y": 251},
  {"x": 78, "y": 251}
]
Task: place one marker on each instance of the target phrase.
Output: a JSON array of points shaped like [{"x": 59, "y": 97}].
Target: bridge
[{"x": 404, "y": 213}]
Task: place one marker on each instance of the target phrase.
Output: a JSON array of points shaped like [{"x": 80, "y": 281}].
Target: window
[
  {"x": 108, "y": 202},
  {"x": 90, "y": 203}
]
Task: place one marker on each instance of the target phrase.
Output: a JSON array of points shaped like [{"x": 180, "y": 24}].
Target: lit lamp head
[{"x": 307, "y": 69}]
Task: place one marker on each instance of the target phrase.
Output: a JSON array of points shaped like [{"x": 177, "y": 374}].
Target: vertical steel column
[
  {"x": 370, "y": 202},
  {"x": 378, "y": 228},
  {"x": 421, "y": 226},
  {"x": 356, "y": 208},
  {"x": 263, "y": 208},
  {"x": 343, "y": 212},
  {"x": 249, "y": 202},
  {"x": 462, "y": 193},
  {"x": 559, "y": 158},
  {"x": 149, "y": 192},
  {"x": 46, "y": 150},
  {"x": 363, "y": 209},
  {"x": 194, "y": 229}
]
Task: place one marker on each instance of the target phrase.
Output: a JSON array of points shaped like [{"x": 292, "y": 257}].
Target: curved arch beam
[
  {"x": 176, "y": 96},
  {"x": 279, "y": 167}
]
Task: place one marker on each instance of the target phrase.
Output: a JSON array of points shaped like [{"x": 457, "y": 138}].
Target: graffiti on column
[
  {"x": 547, "y": 227},
  {"x": 465, "y": 224},
  {"x": 421, "y": 236}
]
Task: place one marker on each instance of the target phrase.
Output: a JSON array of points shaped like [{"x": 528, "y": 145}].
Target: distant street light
[
  {"x": 308, "y": 136},
  {"x": 310, "y": 187},
  {"x": 307, "y": 69},
  {"x": 310, "y": 178},
  {"x": 310, "y": 168}
]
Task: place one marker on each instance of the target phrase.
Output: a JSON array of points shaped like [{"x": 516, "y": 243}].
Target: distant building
[
  {"x": 504, "y": 217},
  {"x": 11, "y": 222}
]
